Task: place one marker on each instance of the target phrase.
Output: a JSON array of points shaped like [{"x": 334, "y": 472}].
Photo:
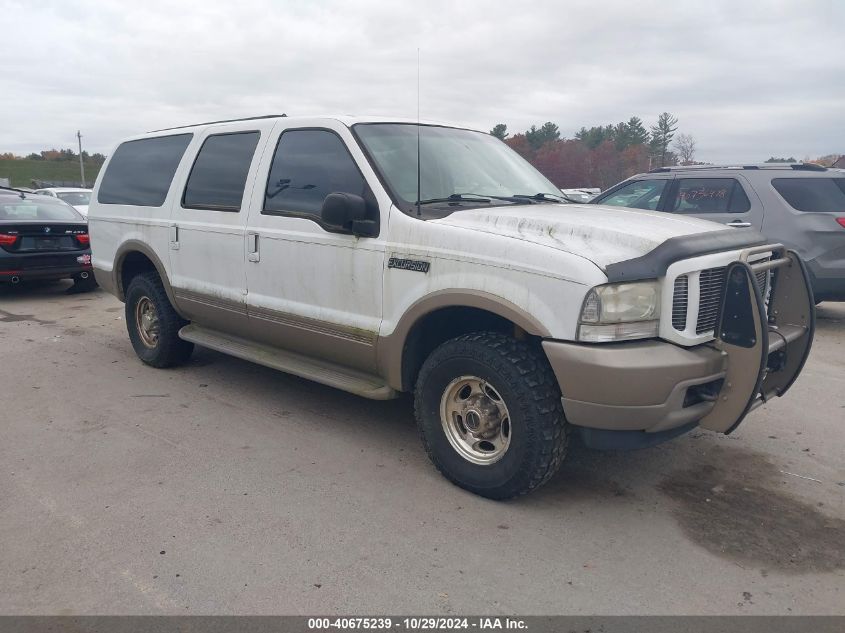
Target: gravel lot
[{"x": 224, "y": 487}]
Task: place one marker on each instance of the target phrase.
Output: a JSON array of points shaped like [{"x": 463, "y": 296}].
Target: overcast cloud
[{"x": 747, "y": 79}]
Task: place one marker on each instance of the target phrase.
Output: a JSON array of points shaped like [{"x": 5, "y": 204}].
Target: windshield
[
  {"x": 37, "y": 209},
  {"x": 453, "y": 163},
  {"x": 75, "y": 197}
]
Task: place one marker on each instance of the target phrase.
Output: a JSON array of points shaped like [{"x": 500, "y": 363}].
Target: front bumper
[
  {"x": 637, "y": 386},
  {"x": 656, "y": 387}
]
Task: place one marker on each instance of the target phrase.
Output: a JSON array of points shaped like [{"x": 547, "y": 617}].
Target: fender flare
[
  {"x": 391, "y": 348},
  {"x": 132, "y": 246}
]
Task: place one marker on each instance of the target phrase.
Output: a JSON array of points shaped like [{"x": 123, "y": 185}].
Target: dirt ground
[{"x": 225, "y": 487}]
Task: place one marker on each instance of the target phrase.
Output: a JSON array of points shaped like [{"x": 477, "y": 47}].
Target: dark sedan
[{"x": 42, "y": 238}]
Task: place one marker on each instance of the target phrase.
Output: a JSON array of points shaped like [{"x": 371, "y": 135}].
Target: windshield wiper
[
  {"x": 545, "y": 197},
  {"x": 473, "y": 197}
]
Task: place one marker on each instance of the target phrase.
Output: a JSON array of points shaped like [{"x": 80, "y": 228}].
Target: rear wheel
[
  {"x": 489, "y": 412},
  {"x": 154, "y": 324}
]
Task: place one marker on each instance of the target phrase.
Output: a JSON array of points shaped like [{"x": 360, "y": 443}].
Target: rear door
[
  {"x": 208, "y": 221},
  {"x": 813, "y": 223},
  {"x": 728, "y": 200}
]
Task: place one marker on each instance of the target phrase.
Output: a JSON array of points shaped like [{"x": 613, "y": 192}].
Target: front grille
[
  {"x": 711, "y": 284},
  {"x": 762, "y": 280},
  {"x": 680, "y": 300}
]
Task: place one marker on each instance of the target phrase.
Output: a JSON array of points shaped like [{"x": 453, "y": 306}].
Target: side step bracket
[{"x": 336, "y": 376}]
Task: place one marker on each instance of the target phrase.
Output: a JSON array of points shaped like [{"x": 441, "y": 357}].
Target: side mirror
[{"x": 348, "y": 212}]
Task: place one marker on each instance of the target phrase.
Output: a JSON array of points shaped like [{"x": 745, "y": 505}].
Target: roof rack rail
[
  {"x": 809, "y": 167},
  {"x": 795, "y": 166},
  {"x": 248, "y": 118}
]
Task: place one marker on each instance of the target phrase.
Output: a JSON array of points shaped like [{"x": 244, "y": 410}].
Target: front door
[{"x": 311, "y": 289}]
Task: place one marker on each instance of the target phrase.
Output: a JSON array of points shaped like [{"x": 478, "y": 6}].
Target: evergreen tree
[
  {"x": 637, "y": 133},
  {"x": 661, "y": 135},
  {"x": 537, "y": 137},
  {"x": 500, "y": 131}
]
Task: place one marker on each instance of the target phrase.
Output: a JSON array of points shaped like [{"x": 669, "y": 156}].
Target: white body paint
[{"x": 543, "y": 258}]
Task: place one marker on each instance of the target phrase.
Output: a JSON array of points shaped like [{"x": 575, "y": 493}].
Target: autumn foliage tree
[
  {"x": 57, "y": 155},
  {"x": 599, "y": 156},
  {"x": 566, "y": 163},
  {"x": 520, "y": 145}
]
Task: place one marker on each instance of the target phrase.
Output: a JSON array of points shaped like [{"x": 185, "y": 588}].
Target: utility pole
[{"x": 81, "y": 164}]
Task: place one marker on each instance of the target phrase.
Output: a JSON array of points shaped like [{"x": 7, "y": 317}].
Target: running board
[{"x": 325, "y": 373}]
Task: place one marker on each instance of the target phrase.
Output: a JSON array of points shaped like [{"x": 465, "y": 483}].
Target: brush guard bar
[{"x": 766, "y": 347}]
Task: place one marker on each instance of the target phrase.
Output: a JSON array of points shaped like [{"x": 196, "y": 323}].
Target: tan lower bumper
[
  {"x": 105, "y": 279},
  {"x": 634, "y": 386}
]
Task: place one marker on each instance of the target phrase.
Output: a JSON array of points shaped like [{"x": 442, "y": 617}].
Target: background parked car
[
  {"x": 800, "y": 205},
  {"x": 75, "y": 196},
  {"x": 579, "y": 195},
  {"x": 42, "y": 238}
]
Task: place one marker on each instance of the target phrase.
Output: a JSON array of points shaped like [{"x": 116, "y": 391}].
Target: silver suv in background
[{"x": 799, "y": 205}]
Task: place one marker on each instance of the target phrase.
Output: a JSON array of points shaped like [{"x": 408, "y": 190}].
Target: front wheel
[
  {"x": 489, "y": 412},
  {"x": 154, "y": 324}
]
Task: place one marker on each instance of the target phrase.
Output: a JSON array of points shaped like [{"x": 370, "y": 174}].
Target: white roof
[{"x": 347, "y": 119}]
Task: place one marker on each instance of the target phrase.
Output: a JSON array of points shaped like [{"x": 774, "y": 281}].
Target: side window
[
  {"x": 140, "y": 171},
  {"x": 709, "y": 195},
  {"x": 640, "y": 194},
  {"x": 218, "y": 176},
  {"x": 817, "y": 195},
  {"x": 309, "y": 165}
]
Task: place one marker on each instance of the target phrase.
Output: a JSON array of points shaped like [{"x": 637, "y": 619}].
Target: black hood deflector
[{"x": 655, "y": 263}]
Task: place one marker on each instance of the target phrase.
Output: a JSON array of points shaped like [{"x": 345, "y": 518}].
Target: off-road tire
[
  {"x": 169, "y": 350},
  {"x": 526, "y": 383}
]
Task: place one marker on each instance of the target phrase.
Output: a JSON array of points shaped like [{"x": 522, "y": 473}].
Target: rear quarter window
[
  {"x": 815, "y": 195},
  {"x": 140, "y": 172}
]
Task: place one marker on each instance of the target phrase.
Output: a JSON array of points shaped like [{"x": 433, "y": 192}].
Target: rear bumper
[
  {"x": 656, "y": 388},
  {"x": 44, "y": 265},
  {"x": 106, "y": 281},
  {"x": 828, "y": 283}
]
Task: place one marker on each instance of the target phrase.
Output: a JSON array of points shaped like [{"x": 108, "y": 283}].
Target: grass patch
[{"x": 22, "y": 172}]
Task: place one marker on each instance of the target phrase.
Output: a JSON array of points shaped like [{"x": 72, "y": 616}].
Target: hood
[{"x": 603, "y": 235}]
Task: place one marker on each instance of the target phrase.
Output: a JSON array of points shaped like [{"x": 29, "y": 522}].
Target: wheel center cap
[{"x": 472, "y": 420}]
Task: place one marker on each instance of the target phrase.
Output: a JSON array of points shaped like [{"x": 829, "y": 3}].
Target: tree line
[
  {"x": 601, "y": 156},
  {"x": 57, "y": 155}
]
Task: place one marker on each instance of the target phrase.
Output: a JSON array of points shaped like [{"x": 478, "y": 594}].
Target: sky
[{"x": 747, "y": 80}]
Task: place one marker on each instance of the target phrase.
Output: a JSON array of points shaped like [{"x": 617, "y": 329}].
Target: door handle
[
  {"x": 174, "y": 237},
  {"x": 252, "y": 247},
  {"x": 739, "y": 224}
]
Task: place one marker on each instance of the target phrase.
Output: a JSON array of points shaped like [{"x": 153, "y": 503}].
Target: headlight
[{"x": 617, "y": 312}]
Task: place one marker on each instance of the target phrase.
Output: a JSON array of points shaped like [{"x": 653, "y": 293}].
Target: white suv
[{"x": 382, "y": 257}]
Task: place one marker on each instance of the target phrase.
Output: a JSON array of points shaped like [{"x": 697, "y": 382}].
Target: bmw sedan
[{"x": 42, "y": 238}]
